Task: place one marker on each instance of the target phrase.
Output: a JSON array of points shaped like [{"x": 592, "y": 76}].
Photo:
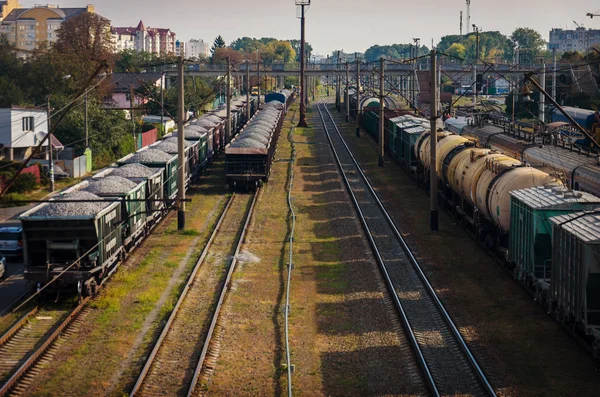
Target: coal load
[
  {"x": 111, "y": 185},
  {"x": 134, "y": 171},
  {"x": 56, "y": 208},
  {"x": 149, "y": 156}
]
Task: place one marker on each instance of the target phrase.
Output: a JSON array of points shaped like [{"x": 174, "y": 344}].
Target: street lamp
[{"x": 303, "y": 4}]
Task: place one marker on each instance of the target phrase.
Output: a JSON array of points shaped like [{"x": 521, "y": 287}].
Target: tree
[
  {"x": 530, "y": 42},
  {"x": 457, "y": 50},
  {"x": 296, "y": 46},
  {"x": 87, "y": 35},
  {"x": 219, "y": 43},
  {"x": 221, "y": 55}
]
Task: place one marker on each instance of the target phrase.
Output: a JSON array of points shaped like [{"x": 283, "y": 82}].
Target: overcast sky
[{"x": 351, "y": 25}]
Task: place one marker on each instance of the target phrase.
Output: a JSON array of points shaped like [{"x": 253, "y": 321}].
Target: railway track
[
  {"x": 30, "y": 342},
  {"x": 186, "y": 349},
  {"x": 447, "y": 364}
]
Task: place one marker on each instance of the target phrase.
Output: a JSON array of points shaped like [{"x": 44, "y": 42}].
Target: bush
[
  {"x": 24, "y": 183},
  {"x": 8, "y": 200}
]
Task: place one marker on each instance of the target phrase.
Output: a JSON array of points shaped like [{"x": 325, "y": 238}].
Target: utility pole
[
  {"x": 554, "y": 73},
  {"x": 542, "y": 108},
  {"x": 433, "y": 180},
  {"x": 258, "y": 72},
  {"x": 347, "y": 93},
  {"x": 180, "y": 145},
  {"x": 381, "y": 111},
  {"x": 338, "y": 97},
  {"x": 302, "y": 4},
  {"x": 357, "y": 95},
  {"x": 162, "y": 103},
  {"x": 50, "y": 154},
  {"x": 476, "y": 29},
  {"x": 85, "y": 119},
  {"x": 132, "y": 104},
  {"x": 228, "y": 125},
  {"x": 247, "y": 90}
]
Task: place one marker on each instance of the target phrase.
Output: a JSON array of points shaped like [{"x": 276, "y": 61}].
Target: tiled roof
[
  {"x": 129, "y": 30},
  {"x": 122, "y": 81}
]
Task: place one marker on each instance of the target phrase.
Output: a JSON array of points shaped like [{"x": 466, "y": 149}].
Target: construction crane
[
  {"x": 578, "y": 25},
  {"x": 592, "y": 15}
]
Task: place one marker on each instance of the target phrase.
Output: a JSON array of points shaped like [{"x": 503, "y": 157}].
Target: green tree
[
  {"x": 530, "y": 42},
  {"x": 218, "y": 43},
  {"x": 457, "y": 50}
]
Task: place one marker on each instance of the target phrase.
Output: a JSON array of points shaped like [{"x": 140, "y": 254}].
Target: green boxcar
[
  {"x": 410, "y": 132},
  {"x": 530, "y": 243},
  {"x": 52, "y": 242},
  {"x": 133, "y": 208},
  {"x": 170, "y": 167}
]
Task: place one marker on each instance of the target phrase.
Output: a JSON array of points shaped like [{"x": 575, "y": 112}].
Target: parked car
[
  {"x": 11, "y": 242},
  {"x": 58, "y": 172},
  {"x": 3, "y": 268}
]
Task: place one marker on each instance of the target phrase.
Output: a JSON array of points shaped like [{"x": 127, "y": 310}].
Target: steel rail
[
  {"x": 224, "y": 291},
  {"x": 39, "y": 353},
  {"x": 388, "y": 280},
  {"x": 456, "y": 333},
  {"x": 18, "y": 325},
  {"x": 175, "y": 311}
]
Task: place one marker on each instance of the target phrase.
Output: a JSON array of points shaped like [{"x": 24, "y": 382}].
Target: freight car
[
  {"x": 578, "y": 167},
  {"x": 249, "y": 157},
  {"x": 82, "y": 235},
  {"x": 522, "y": 213}
]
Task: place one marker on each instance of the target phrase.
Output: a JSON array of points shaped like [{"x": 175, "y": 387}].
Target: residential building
[
  {"x": 26, "y": 28},
  {"x": 6, "y": 6},
  {"x": 145, "y": 39},
  {"x": 580, "y": 39},
  {"x": 180, "y": 48},
  {"x": 21, "y": 129},
  {"x": 124, "y": 83},
  {"x": 197, "y": 49},
  {"x": 124, "y": 38}
]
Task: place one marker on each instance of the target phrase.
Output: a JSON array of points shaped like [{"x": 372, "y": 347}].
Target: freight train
[
  {"x": 249, "y": 157},
  {"x": 78, "y": 239},
  {"x": 544, "y": 231}
]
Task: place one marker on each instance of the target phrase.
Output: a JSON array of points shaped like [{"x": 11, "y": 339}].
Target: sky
[{"x": 351, "y": 25}]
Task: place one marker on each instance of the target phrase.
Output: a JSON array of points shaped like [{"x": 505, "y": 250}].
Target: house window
[{"x": 28, "y": 123}]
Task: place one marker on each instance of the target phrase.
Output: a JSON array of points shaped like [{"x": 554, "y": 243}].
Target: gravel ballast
[
  {"x": 111, "y": 184},
  {"x": 133, "y": 171},
  {"x": 149, "y": 156},
  {"x": 72, "y": 209}
]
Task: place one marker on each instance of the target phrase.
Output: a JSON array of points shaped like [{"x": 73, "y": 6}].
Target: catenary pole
[
  {"x": 50, "y": 154},
  {"x": 433, "y": 180},
  {"x": 347, "y": 93},
  {"x": 303, "y": 101},
  {"x": 357, "y": 95},
  {"x": 228, "y": 91},
  {"x": 381, "y": 111},
  {"x": 180, "y": 145},
  {"x": 247, "y": 90}
]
